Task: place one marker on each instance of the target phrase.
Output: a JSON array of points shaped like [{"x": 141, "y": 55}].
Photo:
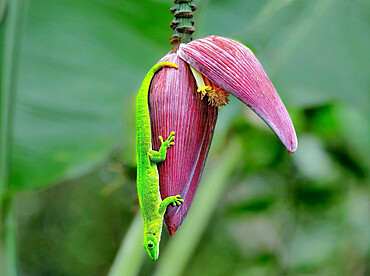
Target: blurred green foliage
[{"x": 79, "y": 66}]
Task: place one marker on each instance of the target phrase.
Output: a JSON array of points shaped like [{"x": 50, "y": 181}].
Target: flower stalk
[{"x": 182, "y": 24}]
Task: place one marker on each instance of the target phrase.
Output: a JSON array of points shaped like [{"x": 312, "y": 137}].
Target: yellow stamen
[
  {"x": 198, "y": 77},
  {"x": 215, "y": 94}
]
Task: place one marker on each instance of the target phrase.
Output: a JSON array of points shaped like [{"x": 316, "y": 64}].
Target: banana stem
[{"x": 183, "y": 23}]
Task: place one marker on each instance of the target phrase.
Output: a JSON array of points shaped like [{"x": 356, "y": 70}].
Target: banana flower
[{"x": 186, "y": 100}]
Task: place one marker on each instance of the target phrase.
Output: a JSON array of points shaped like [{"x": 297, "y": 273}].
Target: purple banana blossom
[{"x": 213, "y": 66}]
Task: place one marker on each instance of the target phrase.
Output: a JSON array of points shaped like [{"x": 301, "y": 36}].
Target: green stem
[
  {"x": 183, "y": 23},
  {"x": 2, "y": 9},
  {"x": 11, "y": 34},
  {"x": 131, "y": 253},
  {"x": 8, "y": 240}
]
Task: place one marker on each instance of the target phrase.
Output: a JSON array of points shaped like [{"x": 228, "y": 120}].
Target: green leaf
[{"x": 80, "y": 65}]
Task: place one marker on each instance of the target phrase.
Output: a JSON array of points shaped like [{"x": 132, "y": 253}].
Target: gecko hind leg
[{"x": 174, "y": 200}]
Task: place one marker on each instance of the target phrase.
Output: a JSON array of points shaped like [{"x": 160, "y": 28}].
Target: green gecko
[{"x": 151, "y": 204}]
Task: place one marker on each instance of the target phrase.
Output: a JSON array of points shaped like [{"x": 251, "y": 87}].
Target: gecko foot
[
  {"x": 177, "y": 200},
  {"x": 169, "y": 142}
]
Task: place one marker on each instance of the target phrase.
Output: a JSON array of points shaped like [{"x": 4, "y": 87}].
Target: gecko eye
[{"x": 150, "y": 245}]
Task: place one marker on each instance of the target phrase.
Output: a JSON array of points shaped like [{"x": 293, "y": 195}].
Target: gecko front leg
[{"x": 160, "y": 156}]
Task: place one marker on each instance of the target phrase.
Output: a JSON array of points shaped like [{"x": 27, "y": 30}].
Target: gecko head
[{"x": 151, "y": 245}]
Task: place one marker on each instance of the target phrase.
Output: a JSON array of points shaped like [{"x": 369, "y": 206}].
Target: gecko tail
[{"x": 160, "y": 65}]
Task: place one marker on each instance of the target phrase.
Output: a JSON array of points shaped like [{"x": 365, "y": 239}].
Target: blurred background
[{"x": 70, "y": 71}]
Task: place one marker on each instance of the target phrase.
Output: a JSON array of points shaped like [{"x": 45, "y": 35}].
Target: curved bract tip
[
  {"x": 171, "y": 229},
  {"x": 234, "y": 68}
]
